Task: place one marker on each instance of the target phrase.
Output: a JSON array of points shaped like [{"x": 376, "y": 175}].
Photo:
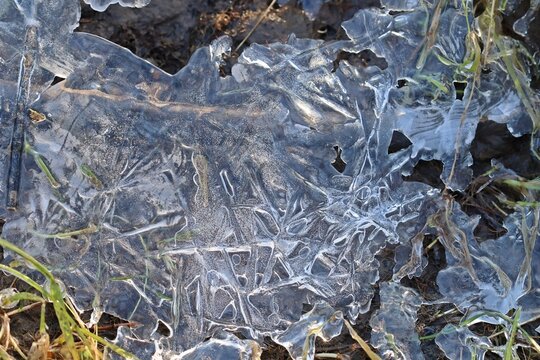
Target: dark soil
[
  {"x": 171, "y": 30},
  {"x": 167, "y": 32}
]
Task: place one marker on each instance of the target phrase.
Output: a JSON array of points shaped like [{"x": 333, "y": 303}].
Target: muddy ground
[{"x": 167, "y": 32}]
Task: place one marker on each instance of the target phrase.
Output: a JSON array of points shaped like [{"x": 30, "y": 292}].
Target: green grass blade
[
  {"x": 24, "y": 278},
  {"x": 29, "y": 258},
  {"x": 509, "y": 349}
]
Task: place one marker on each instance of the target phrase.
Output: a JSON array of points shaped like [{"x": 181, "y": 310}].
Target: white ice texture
[
  {"x": 211, "y": 205},
  {"x": 102, "y": 5}
]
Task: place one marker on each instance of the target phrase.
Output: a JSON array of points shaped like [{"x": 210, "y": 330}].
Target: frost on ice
[{"x": 216, "y": 205}]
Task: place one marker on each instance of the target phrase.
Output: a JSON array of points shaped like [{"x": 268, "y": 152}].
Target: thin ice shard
[{"x": 393, "y": 325}]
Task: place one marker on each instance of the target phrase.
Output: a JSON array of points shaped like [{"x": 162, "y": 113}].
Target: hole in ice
[
  {"x": 427, "y": 172},
  {"x": 275, "y": 5},
  {"x": 226, "y": 65},
  {"x": 338, "y": 162},
  {"x": 401, "y": 83},
  {"x": 494, "y": 141},
  {"x": 364, "y": 58},
  {"x": 163, "y": 329},
  {"x": 399, "y": 142},
  {"x": 479, "y": 7},
  {"x": 57, "y": 79},
  {"x": 242, "y": 280},
  {"x": 460, "y": 89},
  {"x": 306, "y": 308},
  {"x": 386, "y": 260}
]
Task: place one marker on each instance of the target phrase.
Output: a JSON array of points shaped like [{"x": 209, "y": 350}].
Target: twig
[
  {"x": 24, "y": 308},
  {"x": 17, "y": 140},
  {"x": 259, "y": 21}
]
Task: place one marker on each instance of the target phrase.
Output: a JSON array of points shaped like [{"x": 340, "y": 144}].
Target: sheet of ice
[
  {"x": 240, "y": 240},
  {"x": 215, "y": 204}
]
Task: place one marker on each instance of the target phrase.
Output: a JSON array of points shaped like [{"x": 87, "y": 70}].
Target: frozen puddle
[{"x": 219, "y": 206}]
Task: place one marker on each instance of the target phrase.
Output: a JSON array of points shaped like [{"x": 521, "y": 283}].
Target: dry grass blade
[
  {"x": 259, "y": 21},
  {"x": 364, "y": 345}
]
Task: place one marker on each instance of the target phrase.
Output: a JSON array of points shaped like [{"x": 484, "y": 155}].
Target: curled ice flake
[
  {"x": 299, "y": 338},
  {"x": 462, "y": 343},
  {"x": 393, "y": 325}
]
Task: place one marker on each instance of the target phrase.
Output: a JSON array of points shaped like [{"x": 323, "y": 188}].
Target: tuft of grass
[
  {"x": 511, "y": 327},
  {"x": 76, "y": 342}
]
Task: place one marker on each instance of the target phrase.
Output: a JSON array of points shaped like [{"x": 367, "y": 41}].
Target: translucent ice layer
[
  {"x": 394, "y": 323},
  {"x": 496, "y": 274},
  {"x": 212, "y": 205}
]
